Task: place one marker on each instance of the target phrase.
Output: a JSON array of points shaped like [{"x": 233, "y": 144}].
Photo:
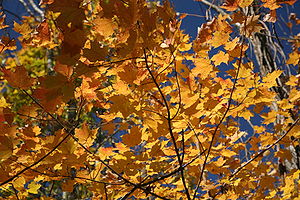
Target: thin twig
[
  {"x": 38, "y": 10},
  {"x": 222, "y": 119},
  {"x": 36, "y": 162},
  {"x": 217, "y": 8},
  {"x": 169, "y": 126},
  {"x": 71, "y": 133},
  {"x": 15, "y": 191},
  {"x": 173, "y": 172},
  {"x": 264, "y": 150}
]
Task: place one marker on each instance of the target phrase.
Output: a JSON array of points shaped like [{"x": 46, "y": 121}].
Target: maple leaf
[
  {"x": 7, "y": 43},
  {"x": 133, "y": 138},
  {"x": 251, "y": 25},
  {"x": 294, "y": 58},
  {"x": 104, "y": 26},
  {"x": 33, "y": 187},
  {"x": 221, "y": 57},
  {"x": 64, "y": 69},
  {"x": 6, "y": 147},
  {"x": 120, "y": 102},
  {"x": 96, "y": 52},
  {"x": 230, "y": 5},
  {"x": 274, "y": 4},
  {"x": 2, "y": 20},
  {"x": 18, "y": 78},
  {"x": 270, "y": 79},
  {"x": 54, "y": 90},
  {"x": 70, "y": 12},
  {"x": 6, "y": 115},
  {"x": 220, "y": 38}
]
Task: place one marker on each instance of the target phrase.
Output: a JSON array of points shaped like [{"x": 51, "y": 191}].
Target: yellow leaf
[
  {"x": 169, "y": 152},
  {"x": 33, "y": 187},
  {"x": 245, "y": 69},
  {"x": 228, "y": 153},
  {"x": 246, "y": 114},
  {"x": 220, "y": 38},
  {"x": 182, "y": 69},
  {"x": 220, "y": 57},
  {"x": 272, "y": 5},
  {"x": 105, "y": 152},
  {"x": 296, "y": 175},
  {"x": 285, "y": 104},
  {"x": 220, "y": 162},
  {"x": 151, "y": 123},
  {"x": 3, "y": 103},
  {"x": 259, "y": 129},
  {"x": 237, "y": 136},
  {"x": 68, "y": 147},
  {"x": 83, "y": 133},
  {"x": 230, "y": 45},
  {"x": 293, "y": 58},
  {"x": 294, "y": 95},
  {"x": 185, "y": 46},
  {"x": 24, "y": 29},
  {"x": 272, "y": 194},
  {"x": 251, "y": 26},
  {"x": 271, "y": 117},
  {"x": 121, "y": 87},
  {"x": 244, "y": 3},
  {"x": 266, "y": 139},
  {"x": 293, "y": 81},
  {"x": 270, "y": 79},
  {"x": 19, "y": 182},
  {"x": 202, "y": 67}
]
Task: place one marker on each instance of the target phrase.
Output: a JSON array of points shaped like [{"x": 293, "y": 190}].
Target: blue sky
[{"x": 190, "y": 23}]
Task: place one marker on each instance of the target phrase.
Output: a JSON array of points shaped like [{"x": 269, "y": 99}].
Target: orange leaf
[
  {"x": 64, "y": 69},
  {"x": 19, "y": 78},
  {"x": 220, "y": 57},
  {"x": 2, "y": 21},
  {"x": 230, "y": 5},
  {"x": 244, "y": 3},
  {"x": 7, "y": 44},
  {"x": 104, "y": 26},
  {"x": 43, "y": 32}
]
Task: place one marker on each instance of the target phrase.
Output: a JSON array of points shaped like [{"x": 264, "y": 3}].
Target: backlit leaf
[
  {"x": 33, "y": 187},
  {"x": 18, "y": 78}
]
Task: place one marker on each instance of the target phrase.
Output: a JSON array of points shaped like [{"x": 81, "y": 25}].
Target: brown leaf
[{"x": 19, "y": 78}]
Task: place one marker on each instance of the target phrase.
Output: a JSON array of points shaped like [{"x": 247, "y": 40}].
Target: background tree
[
  {"x": 111, "y": 100},
  {"x": 270, "y": 51}
]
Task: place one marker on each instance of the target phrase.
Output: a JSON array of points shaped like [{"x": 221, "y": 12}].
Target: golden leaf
[
  {"x": 244, "y": 3},
  {"x": 220, "y": 57},
  {"x": 270, "y": 80},
  {"x": 33, "y": 187},
  {"x": 104, "y": 26},
  {"x": 293, "y": 58},
  {"x": 228, "y": 153}
]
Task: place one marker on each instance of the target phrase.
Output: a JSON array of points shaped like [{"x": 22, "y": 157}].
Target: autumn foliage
[{"x": 110, "y": 99}]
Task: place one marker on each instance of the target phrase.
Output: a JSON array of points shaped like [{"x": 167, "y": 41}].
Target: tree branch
[
  {"x": 264, "y": 150},
  {"x": 169, "y": 119}
]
